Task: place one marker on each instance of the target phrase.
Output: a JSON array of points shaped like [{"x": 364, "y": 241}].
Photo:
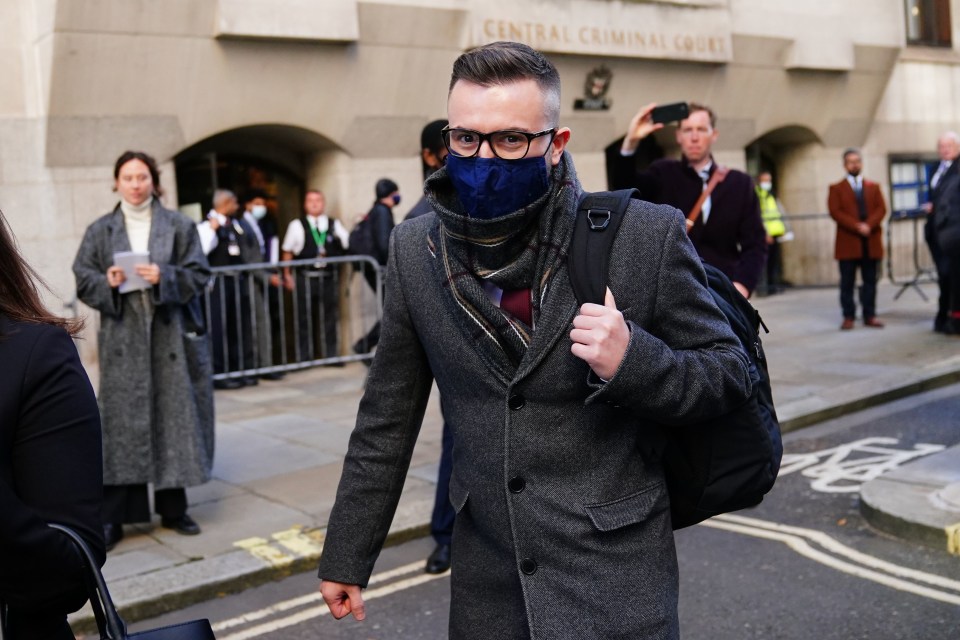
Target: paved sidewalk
[{"x": 280, "y": 448}]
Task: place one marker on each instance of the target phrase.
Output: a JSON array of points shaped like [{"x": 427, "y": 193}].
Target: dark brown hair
[
  {"x": 19, "y": 293},
  {"x": 505, "y": 62},
  {"x": 146, "y": 159},
  {"x": 696, "y": 106}
]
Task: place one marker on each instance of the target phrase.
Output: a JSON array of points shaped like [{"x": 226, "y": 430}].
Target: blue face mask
[
  {"x": 493, "y": 187},
  {"x": 396, "y": 199}
]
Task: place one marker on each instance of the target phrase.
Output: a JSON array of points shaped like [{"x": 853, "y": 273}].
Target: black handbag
[{"x": 109, "y": 622}]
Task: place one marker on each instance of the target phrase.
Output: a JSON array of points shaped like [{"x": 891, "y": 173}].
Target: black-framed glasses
[{"x": 508, "y": 144}]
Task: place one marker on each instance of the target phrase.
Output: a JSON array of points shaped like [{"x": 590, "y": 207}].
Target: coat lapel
[
  {"x": 556, "y": 313},
  {"x": 119, "y": 241},
  {"x": 161, "y": 236}
]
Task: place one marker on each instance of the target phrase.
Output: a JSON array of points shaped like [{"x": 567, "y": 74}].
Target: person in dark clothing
[
  {"x": 433, "y": 153},
  {"x": 313, "y": 236},
  {"x": 729, "y": 232},
  {"x": 266, "y": 290},
  {"x": 944, "y": 185},
  {"x": 380, "y": 217},
  {"x": 228, "y": 240},
  {"x": 51, "y": 465}
]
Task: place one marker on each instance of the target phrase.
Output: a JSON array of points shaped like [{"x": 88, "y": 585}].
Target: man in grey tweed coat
[{"x": 563, "y": 527}]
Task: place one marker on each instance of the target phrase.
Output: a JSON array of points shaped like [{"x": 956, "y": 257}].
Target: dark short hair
[
  {"x": 253, "y": 194},
  {"x": 385, "y": 186},
  {"x": 146, "y": 159},
  {"x": 432, "y": 137},
  {"x": 850, "y": 151},
  {"x": 696, "y": 106},
  {"x": 504, "y": 62}
]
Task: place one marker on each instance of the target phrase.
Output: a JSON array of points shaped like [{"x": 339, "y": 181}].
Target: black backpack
[
  {"x": 725, "y": 463},
  {"x": 361, "y": 238}
]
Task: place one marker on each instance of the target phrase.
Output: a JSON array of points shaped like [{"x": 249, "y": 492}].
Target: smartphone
[{"x": 670, "y": 112}]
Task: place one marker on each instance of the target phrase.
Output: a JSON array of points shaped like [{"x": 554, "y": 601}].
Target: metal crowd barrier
[
  {"x": 277, "y": 317},
  {"x": 920, "y": 268},
  {"x": 809, "y": 258}
]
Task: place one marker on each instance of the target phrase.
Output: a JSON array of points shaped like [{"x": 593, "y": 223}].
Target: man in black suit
[{"x": 943, "y": 184}]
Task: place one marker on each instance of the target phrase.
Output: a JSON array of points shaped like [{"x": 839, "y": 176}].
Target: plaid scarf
[{"x": 517, "y": 251}]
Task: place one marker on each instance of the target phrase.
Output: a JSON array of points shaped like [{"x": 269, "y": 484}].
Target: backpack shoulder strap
[{"x": 594, "y": 230}]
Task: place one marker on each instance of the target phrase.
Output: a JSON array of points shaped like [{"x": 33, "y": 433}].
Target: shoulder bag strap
[
  {"x": 595, "y": 228},
  {"x": 718, "y": 175},
  {"x": 109, "y": 622}
]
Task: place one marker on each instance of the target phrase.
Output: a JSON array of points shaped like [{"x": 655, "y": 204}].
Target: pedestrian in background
[
  {"x": 229, "y": 241},
  {"x": 313, "y": 236},
  {"x": 51, "y": 468},
  {"x": 433, "y": 154},
  {"x": 380, "y": 219},
  {"x": 563, "y": 522},
  {"x": 941, "y": 213},
  {"x": 857, "y": 206},
  {"x": 727, "y": 231},
  {"x": 771, "y": 212},
  {"x": 156, "y": 396},
  {"x": 266, "y": 289}
]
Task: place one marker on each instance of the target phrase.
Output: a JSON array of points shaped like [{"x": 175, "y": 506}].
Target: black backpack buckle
[{"x": 602, "y": 219}]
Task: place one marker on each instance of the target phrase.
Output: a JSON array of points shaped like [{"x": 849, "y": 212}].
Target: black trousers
[
  {"x": 128, "y": 503},
  {"x": 231, "y": 337},
  {"x": 318, "y": 314},
  {"x": 369, "y": 341},
  {"x": 869, "y": 272},
  {"x": 441, "y": 522}
]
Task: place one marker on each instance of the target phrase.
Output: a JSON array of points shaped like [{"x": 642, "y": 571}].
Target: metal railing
[
  {"x": 808, "y": 260},
  {"x": 271, "y": 318}
]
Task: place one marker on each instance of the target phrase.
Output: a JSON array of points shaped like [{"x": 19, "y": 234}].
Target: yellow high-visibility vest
[{"x": 770, "y": 212}]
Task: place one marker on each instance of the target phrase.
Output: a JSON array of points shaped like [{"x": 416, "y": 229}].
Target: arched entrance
[{"x": 273, "y": 158}]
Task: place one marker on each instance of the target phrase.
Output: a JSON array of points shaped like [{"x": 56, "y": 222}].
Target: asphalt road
[{"x": 804, "y": 565}]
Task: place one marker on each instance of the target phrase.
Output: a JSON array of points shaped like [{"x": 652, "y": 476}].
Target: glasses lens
[
  {"x": 462, "y": 142},
  {"x": 510, "y": 145}
]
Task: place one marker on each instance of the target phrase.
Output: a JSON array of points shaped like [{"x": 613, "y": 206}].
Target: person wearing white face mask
[
  {"x": 777, "y": 232},
  {"x": 264, "y": 226}
]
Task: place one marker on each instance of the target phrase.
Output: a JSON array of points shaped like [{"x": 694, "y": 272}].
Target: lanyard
[{"x": 319, "y": 237}]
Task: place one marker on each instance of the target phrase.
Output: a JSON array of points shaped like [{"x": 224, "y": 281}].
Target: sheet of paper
[{"x": 128, "y": 260}]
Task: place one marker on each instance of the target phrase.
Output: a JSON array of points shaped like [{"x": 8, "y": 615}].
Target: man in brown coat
[{"x": 857, "y": 206}]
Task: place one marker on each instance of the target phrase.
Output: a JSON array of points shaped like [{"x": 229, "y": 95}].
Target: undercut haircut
[{"x": 501, "y": 63}]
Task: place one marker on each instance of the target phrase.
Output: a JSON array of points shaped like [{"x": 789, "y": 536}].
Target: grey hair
[
  {"x": 223, "y": 194},
  {"x": 950, "y": 135}
]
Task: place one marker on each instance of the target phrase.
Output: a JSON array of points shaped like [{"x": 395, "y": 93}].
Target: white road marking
[
  {"x": 321, "y": 610},
  {"x": 300, "y": 601},
  {"x": 797, "y": 539},
  {"x": 844, "y": 468}
]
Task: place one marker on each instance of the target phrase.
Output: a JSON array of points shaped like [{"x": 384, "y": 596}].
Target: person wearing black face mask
[
  {"x": 562, "y": 524},
  {"x": 380, "y": 218}
]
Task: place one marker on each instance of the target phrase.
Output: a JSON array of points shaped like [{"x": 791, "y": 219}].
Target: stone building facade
[{"x": 296, "y": 94}]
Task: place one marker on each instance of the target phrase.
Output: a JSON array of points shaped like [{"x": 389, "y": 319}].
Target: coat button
[
  {"x": 516, "y": 401},
  {"x": 528, "y": 566},
  {"x": 516, "y": 484}
]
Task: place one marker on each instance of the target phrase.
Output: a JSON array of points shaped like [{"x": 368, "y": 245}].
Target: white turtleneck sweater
[{"x": 137, "y": 218}]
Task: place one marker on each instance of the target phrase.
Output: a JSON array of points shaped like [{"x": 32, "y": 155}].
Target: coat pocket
[
  {"x": 458, "y": 493},
  {"x": 631, "y": 509}
]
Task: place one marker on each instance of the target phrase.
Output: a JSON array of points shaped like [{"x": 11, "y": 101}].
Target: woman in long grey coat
[{"x": 156, "y": 396}]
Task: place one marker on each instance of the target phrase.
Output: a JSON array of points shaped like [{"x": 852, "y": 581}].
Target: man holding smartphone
[{"x": 726, "y": 229}]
